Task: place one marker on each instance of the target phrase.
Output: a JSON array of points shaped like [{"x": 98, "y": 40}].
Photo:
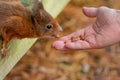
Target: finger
[
  {"x": 90, "y": 12},
  {"x": 80, "y": 45},
  {"x": 59, "y": 45}
]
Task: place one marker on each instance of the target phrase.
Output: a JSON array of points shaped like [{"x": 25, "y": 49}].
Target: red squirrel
[{"x": 16, "y": 21}]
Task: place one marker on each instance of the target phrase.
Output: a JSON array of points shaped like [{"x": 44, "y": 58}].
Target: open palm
[{"x": 103, "y": 32}]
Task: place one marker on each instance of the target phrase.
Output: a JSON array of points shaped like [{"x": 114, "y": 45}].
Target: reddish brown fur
[{"x": 16, "y": 21}]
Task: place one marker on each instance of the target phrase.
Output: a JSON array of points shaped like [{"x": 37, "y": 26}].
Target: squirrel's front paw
[{"x": 3, "y": 52}]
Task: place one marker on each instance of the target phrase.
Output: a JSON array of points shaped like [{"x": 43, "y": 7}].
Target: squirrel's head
[{"x": 46, "y": 25}]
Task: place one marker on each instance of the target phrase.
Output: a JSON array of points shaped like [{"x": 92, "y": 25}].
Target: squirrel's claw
[{"x": 3, "y": 52}]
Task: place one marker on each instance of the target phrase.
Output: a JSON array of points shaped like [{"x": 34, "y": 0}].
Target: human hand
[{"x": 103, "y": 32}]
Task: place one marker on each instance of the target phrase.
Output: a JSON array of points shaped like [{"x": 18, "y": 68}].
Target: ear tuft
[
  {"x": 37, "y": 6},
  {"x": 39, "y": 1}
]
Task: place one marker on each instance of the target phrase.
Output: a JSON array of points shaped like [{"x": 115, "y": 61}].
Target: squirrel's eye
[{"x": 49, "y": 26}]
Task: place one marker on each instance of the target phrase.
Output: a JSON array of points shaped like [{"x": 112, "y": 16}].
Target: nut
[
  {"x": 57, "y": 36},
  {"x": 73, "y": 39},
  {"x": 82, "y": 37}
]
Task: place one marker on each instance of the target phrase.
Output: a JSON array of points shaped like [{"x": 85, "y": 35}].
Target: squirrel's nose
[
  {"x": 57, "y": 32},
  {"x": 60, "y": 29}
]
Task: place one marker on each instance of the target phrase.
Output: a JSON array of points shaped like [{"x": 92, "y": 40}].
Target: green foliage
[{"x": 26, "y": 2}]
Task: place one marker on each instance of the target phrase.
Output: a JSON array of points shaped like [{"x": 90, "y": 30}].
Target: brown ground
[{"x": 42, "y": 62}]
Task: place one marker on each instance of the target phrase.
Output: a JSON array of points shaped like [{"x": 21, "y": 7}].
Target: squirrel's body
[
  {"x": 16, "y": 21},
  {"x": 13, "y": 18}
]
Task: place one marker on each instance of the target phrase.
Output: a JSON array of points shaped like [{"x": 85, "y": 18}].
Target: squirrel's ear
[
  {"x": 37, "y": 5},
  {"x": 40, "y": 5}
]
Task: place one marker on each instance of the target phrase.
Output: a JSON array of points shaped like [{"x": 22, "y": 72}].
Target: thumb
[{"x": 90, "y": 12}]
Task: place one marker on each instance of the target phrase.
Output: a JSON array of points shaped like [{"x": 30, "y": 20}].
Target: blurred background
[{"x": 42, "y": 62}]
